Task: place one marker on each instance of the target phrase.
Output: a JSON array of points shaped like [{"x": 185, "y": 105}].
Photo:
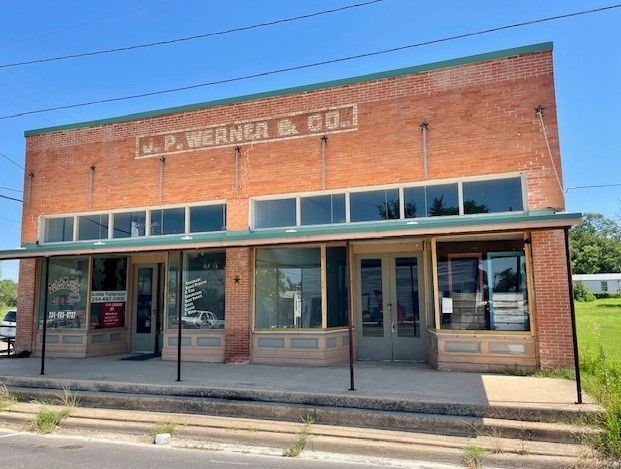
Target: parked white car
[
  {"x": 200, "y": 319},
  {"x": 7, "y": 328}
]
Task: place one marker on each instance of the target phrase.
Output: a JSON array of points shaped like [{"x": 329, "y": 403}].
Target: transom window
[
  {"x": 135, "y": 224},
  {"x": 402, "y": 202}
]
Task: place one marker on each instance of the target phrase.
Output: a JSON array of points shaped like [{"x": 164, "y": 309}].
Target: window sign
[
  {"x": 203, "y": 291},
  {"x": 108, "y": 292},
  {"x": 66, "y": 293}
]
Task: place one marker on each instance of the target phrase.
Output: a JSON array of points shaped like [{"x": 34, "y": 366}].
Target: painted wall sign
[{"x": 323, "y": 121}]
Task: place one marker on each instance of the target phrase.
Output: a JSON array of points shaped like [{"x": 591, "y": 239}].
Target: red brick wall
[
  {"x": 553, "y": 316},
  {"x": 481, "y": 121},
  {"x": 237, "y": 317},
  {"x": 26, "y": 305}
]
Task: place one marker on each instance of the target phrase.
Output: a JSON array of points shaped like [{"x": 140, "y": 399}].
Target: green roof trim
[
  {"x": 544, "y": 46},
  {"x": 410, "y": 227}
]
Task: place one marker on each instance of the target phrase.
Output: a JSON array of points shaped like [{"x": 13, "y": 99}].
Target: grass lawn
[{"x": 599, "y": 323}]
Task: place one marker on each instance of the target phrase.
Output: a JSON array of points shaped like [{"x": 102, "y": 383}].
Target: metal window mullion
[
  {"x": 347, "y": 208},
  {"x": 187, "y": 220},
  {"x": 401, "y": 203},
  {"x": 298, "y": 212},
  {"x": 460, "y": 196},
  {"x": 75, "y": 227}
]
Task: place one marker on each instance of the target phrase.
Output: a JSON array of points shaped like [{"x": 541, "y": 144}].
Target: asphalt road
[{"x": 29, "y": 450}]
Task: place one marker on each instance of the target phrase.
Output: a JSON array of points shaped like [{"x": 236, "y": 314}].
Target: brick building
[{"x": 421, "y": 206}]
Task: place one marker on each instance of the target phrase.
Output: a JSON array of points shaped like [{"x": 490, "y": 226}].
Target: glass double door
[{"x": 390, "y": 307}]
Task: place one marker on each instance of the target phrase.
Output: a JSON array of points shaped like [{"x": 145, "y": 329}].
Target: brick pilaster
[
  {"x": 553, "y": 316},
  {"x": 237, "y": 320}
]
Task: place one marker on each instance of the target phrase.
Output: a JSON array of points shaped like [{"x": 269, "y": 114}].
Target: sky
[{"x": 587, "y": 66}]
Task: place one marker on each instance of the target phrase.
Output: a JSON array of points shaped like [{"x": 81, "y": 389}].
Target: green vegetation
[
  {"x": 48, "y": 419},
  {"x": 295, "y": 448},
  {"x": 582, "y": 293},
  {"x": 599, "y": 327},
  {"x": 165, "y": 426},
  {"x": 599, "y": 324},
  {"x": 474, "y": 456},
  {"x": 595, "y": 245},
  {"x": 6, "y": 398}
]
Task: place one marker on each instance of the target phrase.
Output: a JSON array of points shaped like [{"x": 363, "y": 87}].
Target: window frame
[
  {"x": 459, "y": 182},
  {"x": 44, "y": 220}
]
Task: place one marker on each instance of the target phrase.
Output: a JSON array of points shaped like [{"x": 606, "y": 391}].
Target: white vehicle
[
  {"x": 7, "y": 328},
  {"x": 200, "y": 319}
]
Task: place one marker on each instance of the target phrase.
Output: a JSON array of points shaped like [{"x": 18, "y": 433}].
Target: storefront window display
[
  {"x": 67, "y": 289},
  {"x": 108, "y": 292},
  {"x": 204, "y": 281},
  {"x": 288, "y": 288},
  {"x": 482, "y": 285}
]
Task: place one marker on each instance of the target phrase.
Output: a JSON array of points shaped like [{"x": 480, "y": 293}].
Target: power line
[
  {"x": 316, "y": 64},
  {"x": 16, "y": 164},
  {"x": 190, "y": 38},
  {"x": 10, "y": 198},
  {"x": 10, "y": 189},
  {"x": 592, "y": 187}
]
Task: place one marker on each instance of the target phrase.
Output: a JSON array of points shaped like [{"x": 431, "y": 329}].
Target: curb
[{"x": 274, "y": 436}]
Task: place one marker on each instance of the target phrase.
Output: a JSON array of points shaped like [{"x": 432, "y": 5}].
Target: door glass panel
[
  {"x": 145, "y": 299},
  {"x": 371, "y": 298},
  {"x": 508, "y": 293},
  {"x": 408, "y": 320}
]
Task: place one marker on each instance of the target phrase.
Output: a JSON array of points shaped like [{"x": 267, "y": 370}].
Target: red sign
[{"x": 112, "y": 315}]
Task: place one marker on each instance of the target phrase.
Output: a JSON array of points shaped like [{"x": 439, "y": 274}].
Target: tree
[
  {"x": 595, "y": 245},
  {"x": 8, "y": 293}
]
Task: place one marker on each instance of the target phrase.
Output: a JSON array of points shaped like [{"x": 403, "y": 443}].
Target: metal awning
[{"x": 424, "y": 227}]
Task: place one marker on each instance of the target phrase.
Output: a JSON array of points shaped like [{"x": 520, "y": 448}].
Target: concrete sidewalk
[
  {"x": 397, "y": 382},
  {"x": 407, "y": 411}
]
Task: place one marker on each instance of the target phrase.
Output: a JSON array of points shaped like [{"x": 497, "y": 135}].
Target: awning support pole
[
  {"x": 179, "y": 306},
  {"x": 45, "y": 296},
  {"x": 572, "y": 310},
  {"x": 351, "y": 322}
]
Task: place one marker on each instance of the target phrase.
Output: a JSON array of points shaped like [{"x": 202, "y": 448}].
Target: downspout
[{"x": 572, "y": 310}]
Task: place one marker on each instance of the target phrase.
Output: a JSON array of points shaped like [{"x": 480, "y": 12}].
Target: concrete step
[
  {"x": 432, "y": 423},
  {"x": 513, "y": 411},
  {"x": 273, "y": 436}
]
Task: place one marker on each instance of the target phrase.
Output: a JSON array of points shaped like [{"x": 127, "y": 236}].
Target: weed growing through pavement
[
  {"x": 164, "y": 426},
  {"x": 6, "y": 398},
  {"x": 48, "y": 419},
  {"x": 474, "y": 456},
  {"x": 295, "y": 448}
]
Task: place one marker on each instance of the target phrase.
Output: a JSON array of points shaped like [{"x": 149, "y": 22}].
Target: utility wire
[
  {"x": 316, "y": 64},
  {"x": 10, "y": 189},
  {"x": 16, "y": 164},
  {"x": 190, "y": 38},
  {"x": 591, "y": 187},
  {"x": 10, "y": 198}
]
